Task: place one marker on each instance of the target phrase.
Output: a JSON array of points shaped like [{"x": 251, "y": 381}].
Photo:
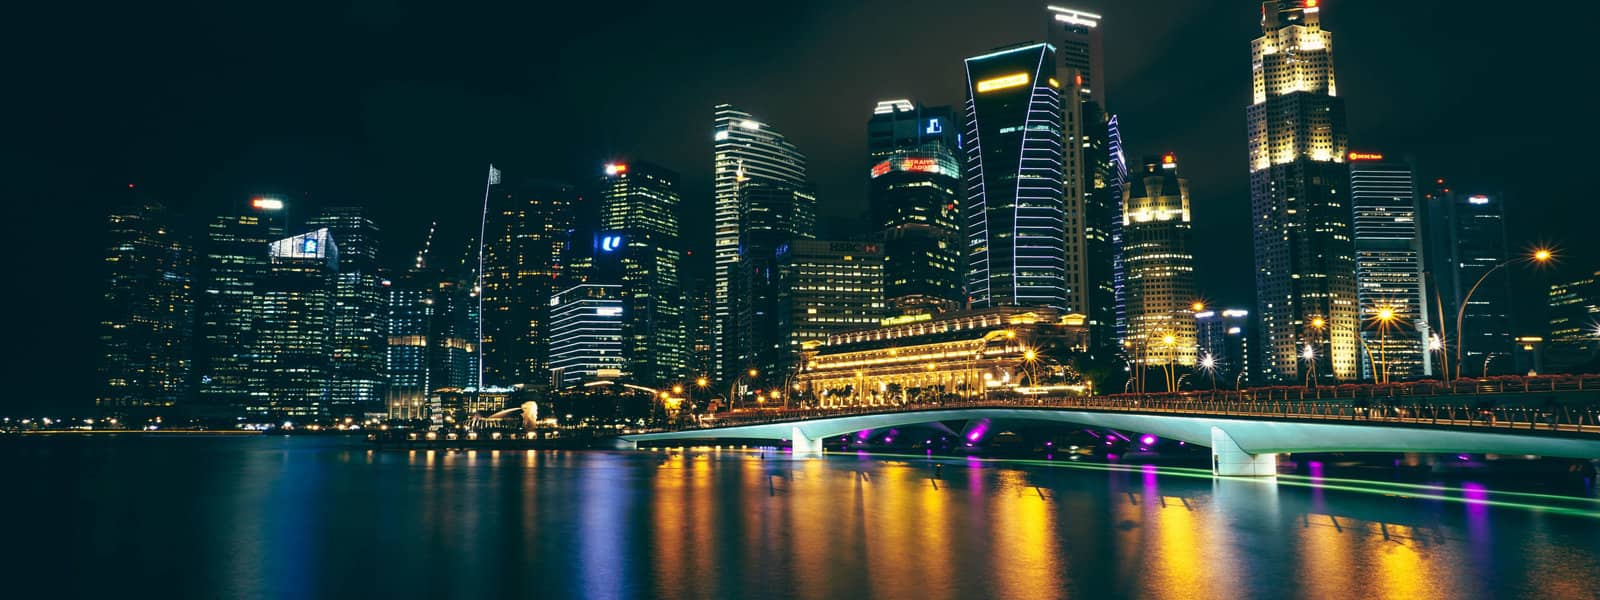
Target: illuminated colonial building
[
  {"x": 1304, "y": 256},
  {"x": 149, "y": 314},
  {"x": 1160, "y": 287},
  {"x": 925, "y": 358},
  {"x": 749, "y": 157},
  {"x": 914, "y": 191},
  {"x": 1016, "y": 216},
  {"x": 1394, "y": 310}
]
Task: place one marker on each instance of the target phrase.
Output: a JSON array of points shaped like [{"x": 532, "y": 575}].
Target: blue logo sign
[
  {"x": 934, "y": 126},
  {"x": 610, "y": 243},
  {"x": 309, "y": 246}
]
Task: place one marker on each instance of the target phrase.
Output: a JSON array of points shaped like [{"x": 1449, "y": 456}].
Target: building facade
[
  {"x": 1160, "y": 289},
  {"x": 914, "y": 193},
  {"x": 827, "y": 287},
  {"x": 1389, "y": 273},
  {"x": 773, "y": 217},
  {"x": 293, "y": 309},
  {"x": 746, "y": 153},
  {"x": 148, "y": 311},
  {"x": 639, "y": 214},
  {"x": 359, "y": 320},
  {"x": 525, "y": 233},
  {"x": 1222, "y": 338},
  {"x": 235, "y": 263},
  {"x": 586, "y": 323},
  {"x": 1467, "y": 235},
  {"x": 1304, "y": 255},
  {"x": 1015, "y": 212},
  {"x": 1574, "y": 340}
]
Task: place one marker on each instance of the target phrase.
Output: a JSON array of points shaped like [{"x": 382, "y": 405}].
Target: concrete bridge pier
[
  {"x": 803, "y": 444},
  {"x": 1228, "y": 460}
]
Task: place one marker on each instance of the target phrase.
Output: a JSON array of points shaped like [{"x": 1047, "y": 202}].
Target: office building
[
  {"x": 1015, "y": 212},
  {"x": 586, "y": 323},
  {"x": 747, "y": 153},
  {"x": 148, "y": 312},
  {"x": 293, "y": 308},
  {"x": 827, "y": 287},
  {"x": 234, "y": 266},
  {"x": 1119, "y": 178},
  {"x": 1389, "y": 273},
  {"x": 914, "y": 193},
  {"x": 1222, "y": 339},
  {"x": 639, "y": 215},
  {"x": 357, "y": 343},
  {"x": 1574, "y": 340},
  {"x": 773, "y": 216},
  {"x": 1091, "y": 197},
  {"x": 1466, "y": 233},
  {"x": 1157, "y": 232},
  {"x": 526, "y": 230},
  {"x": 1304, "y": 255}
]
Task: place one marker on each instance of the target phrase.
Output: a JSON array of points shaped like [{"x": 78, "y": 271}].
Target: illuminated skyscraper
[
  {"x": 914, "y": 191},
  {"x": 1119, "y": 178},
  {"x": 527, "y": 229},
  {"x": 1574, "y": 341},
  {"x": 148, "y": 313},
  {"x": 1394, "y": 311},
  {"x": 1466, "y": 237},
  {"x": 1157, "y": 231},
  {"x": 359, "y": 316},
  {"x": 1304, "y": 256},
  {"x": 1092, "y": 196},
  {"x": 1015, "y": 213},
  {"x": 772, "y": 216},
  {"x": 639, "y": 214},
  {"x": 586, "y": 334},
  {"x": 827, "y": 287},
  {"x": 235, "y": 264},
  {"x": 293, "y": 310},
  {"x": 746, "y": 153},
  {"x": 1223, "y": 337}
]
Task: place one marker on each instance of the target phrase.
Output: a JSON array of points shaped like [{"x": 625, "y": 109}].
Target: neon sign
[
  {"x": 1355, "y": 156},
  {"x": 934, "y": 126},
  {"x": 1000, "y": 83},
  {"x": 610, "y": 243}
]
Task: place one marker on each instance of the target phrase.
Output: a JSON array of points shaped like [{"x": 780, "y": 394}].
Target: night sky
[{"x": 399, "y": 106}]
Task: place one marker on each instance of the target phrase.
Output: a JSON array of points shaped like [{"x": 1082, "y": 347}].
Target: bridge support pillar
[
  {"x": 1228, "y": 460},
  {"x": 803, "y": 444},
  {"x": 622, "y": 444}
]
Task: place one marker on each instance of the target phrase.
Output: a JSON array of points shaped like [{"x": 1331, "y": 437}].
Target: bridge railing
[{"x": 1413, "y": 406}]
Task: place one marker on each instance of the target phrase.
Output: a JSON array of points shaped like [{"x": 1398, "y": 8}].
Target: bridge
[{"x": 1245, "y": 430}]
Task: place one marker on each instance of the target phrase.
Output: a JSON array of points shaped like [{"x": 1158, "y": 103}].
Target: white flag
[{"x": 494, "y": 175}]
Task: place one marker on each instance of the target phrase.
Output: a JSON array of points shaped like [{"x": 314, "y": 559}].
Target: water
[{"x": 319, "y": 517}]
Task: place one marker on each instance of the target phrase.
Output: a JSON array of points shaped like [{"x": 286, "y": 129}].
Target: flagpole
[{"x": 483, "y": 223}]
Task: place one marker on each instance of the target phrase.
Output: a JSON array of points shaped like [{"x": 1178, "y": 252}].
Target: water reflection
[{"x": 276, "y": 518}]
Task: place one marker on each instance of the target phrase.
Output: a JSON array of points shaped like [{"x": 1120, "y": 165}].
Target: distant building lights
[{"x": 267, "y": 204}]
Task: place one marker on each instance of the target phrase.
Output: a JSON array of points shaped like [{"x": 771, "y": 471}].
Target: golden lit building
[
  {"x": 1158, "y": 265},
  {"x": 922, "y": 358}
]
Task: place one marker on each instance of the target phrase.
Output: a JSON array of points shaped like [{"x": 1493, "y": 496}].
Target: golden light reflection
[{"x": 1024, "y": 550}]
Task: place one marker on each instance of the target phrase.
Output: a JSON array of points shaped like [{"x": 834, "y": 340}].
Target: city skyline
[{"x": 1212, "y": 204}]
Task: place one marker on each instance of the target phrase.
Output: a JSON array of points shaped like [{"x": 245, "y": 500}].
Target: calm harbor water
[{"x": 277, "y": 517}]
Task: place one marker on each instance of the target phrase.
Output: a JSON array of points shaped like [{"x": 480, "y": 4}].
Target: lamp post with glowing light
[
  {"x": 734, "y": 388},
  {"x": 1170, "y": 342},
  {"x": 1310, "y": 356},
  {"x": 1384, "y": 317},
  {"x": 1208, "y": 363},
  {"x": 1539, "y": 256}
]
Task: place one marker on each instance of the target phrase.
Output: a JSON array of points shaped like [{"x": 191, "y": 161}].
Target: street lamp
[
  {"x": 1539, "y": 256},
  {"x": 1310, "y": 356},
  {"x": 1208, "y": 363},
  {"x": 1171, "y": 342},
  {"x": 1384, "y": 317},
  {"x": 734, "y": 388}
]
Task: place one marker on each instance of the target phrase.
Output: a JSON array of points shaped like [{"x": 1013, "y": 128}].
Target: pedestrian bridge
[{"x": 1245, "y": 435}]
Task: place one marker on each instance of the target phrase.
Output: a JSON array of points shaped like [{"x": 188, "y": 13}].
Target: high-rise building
[
  {"x": 914, "y": 192},
  {"x": 148, "y": 312},
  {"x": 1304, "y": 255},
  {"x": 235, "y": 265},
  {"x": 1015, "y": 213},
  {"x": 827, "y": 287},
  {"x": 746, "y": 153},
  {"x": 432, "y": 327},
  {"x": 700, "y": 310},
  {"x": 1389, "y": 288},
  {"x": 1466, "y": 244},
  {"x": 526, "y": 230},
  {"x": 1091, "y": 197},
  {"x": 409, "y": 305},
  {"x": 1119, "y": 178},
  {"x": 1161, "y": 295},
  {"x": 772, "y": 216},
  {"x": 293, "y": 308},
  {"x": 586, "y": 334},
  {"x": 1574, "y": 340},
  {"x": 357, "y": 343},
  {"x": 639, "y": 215},
  {"x": 1222, "y": 338}
]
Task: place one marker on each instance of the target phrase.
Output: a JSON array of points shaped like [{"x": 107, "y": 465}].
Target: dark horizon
[{"x": 400, "y": 108}]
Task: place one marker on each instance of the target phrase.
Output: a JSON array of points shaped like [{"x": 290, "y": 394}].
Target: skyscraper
[
  {"x": 1467, "y": 234},
  {"x": 746, "y": 153},
  {"x": 148, "y": 311},
  {"x": 914, "y": 192},
  {"x": 1161, "y": 294},
  {"x": 1305, "y": 259},
  {"x": 1223, "y": 337},
  {"x": 772, "y": 216},
  {"x": 1091, "y": 198},
  {"x": 1119, "y": 178},
  {"x": 235, "y": 264},
  {"x": 639, "y": 212},
  {"x": 357, "y": 342},
  {"x": 827, "y": 287},
  {"x": 527, "y": 228},
  {"x": 293, "y": 309},
  {"x": 1574, "y": 341},
  {"x": 1394, "y": 311},
  {"x": 586, "y": 334},
  {"x": 1015, "y": 214}
]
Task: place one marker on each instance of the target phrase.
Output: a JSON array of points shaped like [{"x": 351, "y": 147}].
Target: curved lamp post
[{"x": 1538, "y": 256}]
